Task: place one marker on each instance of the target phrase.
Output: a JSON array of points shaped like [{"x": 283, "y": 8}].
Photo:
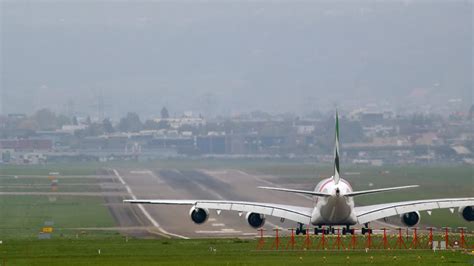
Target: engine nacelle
[
  {"x": 467, "y": 213},
  {"x": 198, "y": 215},
  {"x": 256, "y": 220},
  {"x": 410, "y": 219}
]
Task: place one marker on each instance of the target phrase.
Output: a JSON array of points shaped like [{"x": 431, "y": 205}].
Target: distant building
[
  {"x": 16, "y": 116},
  {"x": 305, "y": 129},
  {"x": 185, "y": 120},
  {"x": 26, "y": 144},
  {"x": 72, "y": 128},
  {"x": 370, "y": 117}
]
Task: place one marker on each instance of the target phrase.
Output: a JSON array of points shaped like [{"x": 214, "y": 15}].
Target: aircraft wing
[
  {"x": 370, "y": 213},
  {"x": 294, "y": 213}
]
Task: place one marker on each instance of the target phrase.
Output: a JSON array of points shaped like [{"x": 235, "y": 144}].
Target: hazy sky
[{"x": 227, "y": 57}]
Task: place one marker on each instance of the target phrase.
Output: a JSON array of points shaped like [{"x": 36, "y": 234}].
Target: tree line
[{"x": 47, "y": 120}]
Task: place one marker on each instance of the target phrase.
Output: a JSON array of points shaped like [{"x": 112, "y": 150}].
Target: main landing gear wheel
[
  {"x": 318, "y": 230},
  {"x": 347, "y": 230},
  {"x": 300, "y": 229},
  {"x": 366, "y": 229},
  {"x": 328, "y": 230}
]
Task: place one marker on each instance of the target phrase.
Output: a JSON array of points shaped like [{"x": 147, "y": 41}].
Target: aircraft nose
[{"x": 338, "y": 192}]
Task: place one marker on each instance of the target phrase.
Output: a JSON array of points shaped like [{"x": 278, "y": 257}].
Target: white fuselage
[{"x": 336, "y": 209}]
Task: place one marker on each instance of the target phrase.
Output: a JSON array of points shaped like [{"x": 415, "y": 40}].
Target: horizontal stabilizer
[
  {"x": 363, "y": 192},
  {"x": 307, "y": 192}
]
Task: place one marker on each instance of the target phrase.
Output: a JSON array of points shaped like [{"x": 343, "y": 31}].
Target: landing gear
[
  {"x": 300, "y": 229},
  {"x": 366, "y": 229},
  {"x": 327, "y": 230},
  {"x": 347, "y": 230},
  {"x": 320, "y": 230},
  {"x": 331, "y": 230}
]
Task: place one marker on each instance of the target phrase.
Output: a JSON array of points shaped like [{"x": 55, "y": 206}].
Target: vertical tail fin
[{"x": 336, "y": 152}]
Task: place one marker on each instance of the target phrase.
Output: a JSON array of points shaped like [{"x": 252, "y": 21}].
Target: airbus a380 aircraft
[{"x": 334, "y": 205}]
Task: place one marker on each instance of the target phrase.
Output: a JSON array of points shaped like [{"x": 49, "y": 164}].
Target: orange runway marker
[
  {"x": 261, "y": 240},
  {"x": 291, "y": 242},
  {"x": 307, "y": 240},
  {"x": 446, "y": 236},
  {"x": 400, "y": 241},
  {"x": 276, "y": 243},
  {"x": 415, "y": 242},
  {"x": 369, "y": 238},
  {"x": 430, "y": 237},
  {"x": 338, "y": 242},
  {"x": 385, "y": 243},
  {"x": 353, "y": 239}
]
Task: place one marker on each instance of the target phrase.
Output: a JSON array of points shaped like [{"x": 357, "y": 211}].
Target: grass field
[
  {"x": 23, "y": 216},
  {"x": 118, "y": 251},
  {"x": 82, "y": 169}
]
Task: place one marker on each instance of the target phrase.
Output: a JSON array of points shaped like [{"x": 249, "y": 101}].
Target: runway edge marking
[{"x": 145, "y": 212}]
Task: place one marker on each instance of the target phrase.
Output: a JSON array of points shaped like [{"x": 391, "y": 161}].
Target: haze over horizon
[{"x": 226, "y": 58}]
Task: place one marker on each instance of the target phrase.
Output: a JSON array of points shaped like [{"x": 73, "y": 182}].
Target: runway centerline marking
[
  {"x": 218, "y": 225},
  {"x": 144, "y": 211}
]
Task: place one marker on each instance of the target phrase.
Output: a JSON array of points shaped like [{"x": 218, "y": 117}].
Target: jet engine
[
  {"x": 198, "y": 215},
  {"x": 410, "y": 218},
  {"x": 467, "y": 213},
  {"x": 256, "y": 220}
]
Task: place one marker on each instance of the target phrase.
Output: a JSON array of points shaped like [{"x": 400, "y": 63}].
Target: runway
[
  {"x": 174, "y": 221},
  {"x": 195, "y": 184}
]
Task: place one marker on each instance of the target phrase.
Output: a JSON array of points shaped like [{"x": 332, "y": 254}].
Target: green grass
[
  {"x": 10, "y": 183},
  {"x": 24, "y": 216},
  {"x": 116, "y": 251},
  {"x": 63, "y": 169}
]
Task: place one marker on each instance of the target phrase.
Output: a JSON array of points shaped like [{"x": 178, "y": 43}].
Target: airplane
[{"x": 333, "y": 205}]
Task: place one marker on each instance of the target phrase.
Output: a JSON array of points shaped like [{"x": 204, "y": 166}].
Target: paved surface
[{"x": 174, "y": 221}]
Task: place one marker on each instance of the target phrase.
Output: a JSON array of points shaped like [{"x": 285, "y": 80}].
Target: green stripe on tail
[{"x": 336, "y": 152}]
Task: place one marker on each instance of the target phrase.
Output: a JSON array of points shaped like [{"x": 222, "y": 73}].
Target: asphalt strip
[{"x": 144, "y": 211}]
